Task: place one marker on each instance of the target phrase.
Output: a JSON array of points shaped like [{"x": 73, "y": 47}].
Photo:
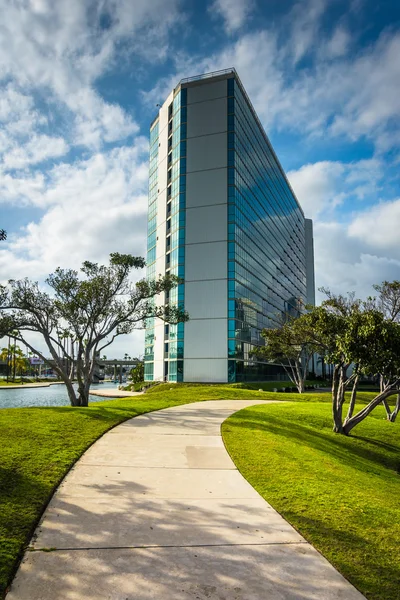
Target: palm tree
[{"x": 15, "y": 359}]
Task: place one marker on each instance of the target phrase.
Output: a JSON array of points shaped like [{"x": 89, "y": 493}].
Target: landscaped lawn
[{"x": 341, "y": 493}]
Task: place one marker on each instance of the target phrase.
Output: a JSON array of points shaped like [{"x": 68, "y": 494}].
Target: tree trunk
[
  {"x": 387, "y": 408},
  {"x": 71, "y": 393},
  {"x": 352, "y": 400},
  {"x": 336, "y": 407},
  {"x": 396, "y": 411},
  {"x": 362, "y": 414}
]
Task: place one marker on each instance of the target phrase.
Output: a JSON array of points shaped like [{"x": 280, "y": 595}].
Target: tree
[
  {"x": 347, "y": 332},
  {"x": 3, "y": 235},
  {"x": 291, "y": 346},
  {"x": 137, "y": 373},
  {"x": 388, "y": 302},
  {"x": 15, "y": 359},
  {"x": 94, "y": 310}
]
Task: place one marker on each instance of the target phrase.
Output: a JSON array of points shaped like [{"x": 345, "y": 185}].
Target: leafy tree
[
  {"x": 291, "y": 346},
  {"x": 92, "y": 310},
  {"x": 137, "y": 373},
  {"x": 350, "y": 332},
  {"x": 15, "y": 359},
  {"x": 3, "y": 235},
  {"x": 388, "y": 302},
  {"x": 344, "y": 331}
]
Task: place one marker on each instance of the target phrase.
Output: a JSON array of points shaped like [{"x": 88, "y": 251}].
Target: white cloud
[
  {"x": 354, "y": 246},
  {"x": 95, "y": 207},
  {"x": 37, "y": 149},
  {"x": 325, "y": 185},
  {"x": 379, "y": 226},
  {"x": 315, "y": 186},
  {"x": 303, "y": 23},
  {"x": 339, "y": 43},
  {"x": 233, "y": 12},
  {"x": 345, "y": 264},
  {"x": 61, "y": 48}
]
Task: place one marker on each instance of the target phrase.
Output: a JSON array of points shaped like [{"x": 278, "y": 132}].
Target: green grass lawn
[{"x": 341, "y": 493}]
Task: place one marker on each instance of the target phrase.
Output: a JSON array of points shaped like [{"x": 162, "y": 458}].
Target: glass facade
[
  {"x": 151, "y": 246},
  {"x": 175, "y": 217},
  {"x": 266, "y": 245},
  {"x": 264, "y": 278}
]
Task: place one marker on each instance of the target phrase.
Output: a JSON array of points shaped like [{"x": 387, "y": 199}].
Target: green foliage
[
  {"x": 346, "y": 331},
  {"x": 137, "y": 373},
  {"x": 341, "y": 493},
  {"x": 15, "y": 359},
  {"x": 88, "y": 312},
  {"x": 291, "y": 345}
]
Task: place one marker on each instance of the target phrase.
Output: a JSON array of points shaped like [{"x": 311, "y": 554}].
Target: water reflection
[{"x": 55, "y": 395}]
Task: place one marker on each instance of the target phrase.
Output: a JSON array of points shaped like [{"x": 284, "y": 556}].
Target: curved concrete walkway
[
  {"x": 113, "y": 393},
  {"x": 157, "y": 510}
]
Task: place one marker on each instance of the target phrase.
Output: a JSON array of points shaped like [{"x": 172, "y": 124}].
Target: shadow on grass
[
  {"x": 343, "y": 448},
  {"x": 365, "y": 566},
  {"x": 15, "y": 488}
]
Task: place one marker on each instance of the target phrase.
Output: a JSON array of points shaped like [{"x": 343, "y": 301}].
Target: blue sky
[{"x": 79, "y": 86}]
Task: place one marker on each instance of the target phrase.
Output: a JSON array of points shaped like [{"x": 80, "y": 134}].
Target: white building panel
[
  {"x": 159, "y": 340},
  {"x": 206, "y": 261},
  {"x": 206, "y": 187},
  {"x": 207, "y": 299},
  {"x": 162, "y": 178},
  {"x": 207, "y": 224},
  {"x": 206, "y": 338},
  {"x": 208, "y": 117},
  {"x": 206, "y": 370},
  {"x": 158, "y": 370},
  {"x": 206, "y": 91},
  {"x": 207, "y": 152}
]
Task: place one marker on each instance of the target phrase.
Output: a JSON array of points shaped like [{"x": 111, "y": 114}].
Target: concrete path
[
  {"x": 156, "y": 510},
  {"x": 113, "y": 393},
  {"x": 23, "y": 386}
]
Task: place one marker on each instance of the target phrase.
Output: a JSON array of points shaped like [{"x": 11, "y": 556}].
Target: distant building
[{"x": 223, "y": 216}]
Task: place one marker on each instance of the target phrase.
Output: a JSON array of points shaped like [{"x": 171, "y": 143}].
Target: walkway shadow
[
  {"x": 341, "y": 447},
  {"x": 217, "y": 570}
]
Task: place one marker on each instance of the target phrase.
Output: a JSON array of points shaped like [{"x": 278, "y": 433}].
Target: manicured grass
[
  {"x": 224, "y": 391},
  {"x": 341, "y": 493}
]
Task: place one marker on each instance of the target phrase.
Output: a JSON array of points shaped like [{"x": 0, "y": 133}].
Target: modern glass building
[{"x": 222, "y": 216}]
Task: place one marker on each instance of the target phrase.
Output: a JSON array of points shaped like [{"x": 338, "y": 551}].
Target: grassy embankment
[{"x": 341, "y": 493}]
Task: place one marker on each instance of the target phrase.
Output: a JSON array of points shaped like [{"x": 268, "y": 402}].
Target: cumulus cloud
[
  {"x": 63, "y": 47},
  {"x": 95, "y": 206},
  {"x": 354, "y": 245},
  {"x": 344, "y": 263},
  {"x": 233, "y": 12},
  {"x": 325, "y": 185},
  {"x": 37, "y": 149},
  {"x": 379, "y": 226}
]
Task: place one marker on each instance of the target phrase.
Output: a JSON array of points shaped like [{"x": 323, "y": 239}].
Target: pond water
[{"x": 54, "y": 395}]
